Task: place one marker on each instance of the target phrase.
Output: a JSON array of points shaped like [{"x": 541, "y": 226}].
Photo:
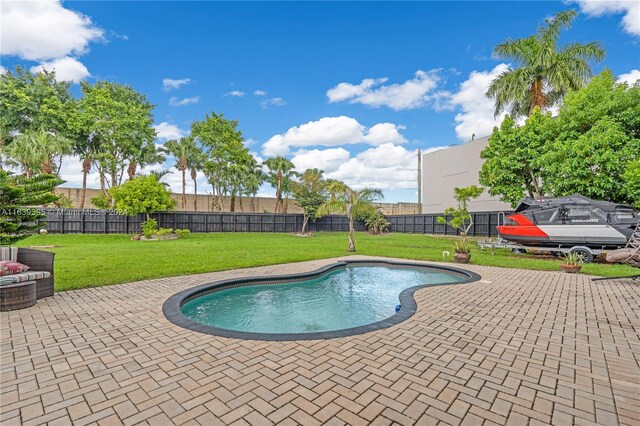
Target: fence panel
[{"x": 77, "y": 221}]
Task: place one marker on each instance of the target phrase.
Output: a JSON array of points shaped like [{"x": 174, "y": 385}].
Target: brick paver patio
[{"x": 519, "y": 347}]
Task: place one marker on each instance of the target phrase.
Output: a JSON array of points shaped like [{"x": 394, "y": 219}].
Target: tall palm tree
[
  {"x": 183, "y": 150},
  {"x": 280, "y": 173},
  {"x": 195, "y": 162},
  {"x": 146, "y": 155},
  {"x": 87, "y": 148},
  {"x": 38, "y": 151},
  {"x": 354, "y": 203},
  {"x": 544, "y": 72},
  {"x": 254, "y": 179}
]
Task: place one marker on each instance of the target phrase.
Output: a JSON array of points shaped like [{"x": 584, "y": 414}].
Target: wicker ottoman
[{"x": 17, "y": 296}]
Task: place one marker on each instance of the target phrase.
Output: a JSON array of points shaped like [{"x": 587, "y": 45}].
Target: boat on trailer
[{"x": 569, "y": 221}]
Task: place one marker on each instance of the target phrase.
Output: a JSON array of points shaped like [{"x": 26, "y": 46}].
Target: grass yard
[{"x": 96, "y": 260}]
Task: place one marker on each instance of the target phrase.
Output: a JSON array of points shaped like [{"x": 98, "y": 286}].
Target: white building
[{"x": 457, "y": 166}]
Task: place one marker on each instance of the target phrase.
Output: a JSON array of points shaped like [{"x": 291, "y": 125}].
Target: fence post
[
  {"x": 62, "y": 222},
  {"x": 126, "y": 224},
  {"x": 82, "y": 227},
  {"x": 105, "y": 221}
]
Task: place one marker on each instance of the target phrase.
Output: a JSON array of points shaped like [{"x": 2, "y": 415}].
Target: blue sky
[{"x": 353, "y": 88}]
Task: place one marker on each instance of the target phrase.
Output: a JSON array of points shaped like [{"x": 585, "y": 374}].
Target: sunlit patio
[{"x": 516, "y": 347}]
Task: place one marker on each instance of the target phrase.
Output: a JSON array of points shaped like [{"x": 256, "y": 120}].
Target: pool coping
[{"x": 172, "y": 307}]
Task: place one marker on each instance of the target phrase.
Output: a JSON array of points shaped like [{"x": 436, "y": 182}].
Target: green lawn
[{"x": 96, "y": 260}]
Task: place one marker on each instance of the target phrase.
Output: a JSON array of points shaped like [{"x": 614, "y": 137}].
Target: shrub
[
  {"x": 164, "y": 231},
  {"x": 149, "y": 228},
  {"x": 18, "y": 195},
  {"x": 182, "y": 232},
  {"x": 376, "y": 223}
]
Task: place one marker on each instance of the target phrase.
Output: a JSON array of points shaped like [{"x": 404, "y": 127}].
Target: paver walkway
[{"x": 519, "y": 347}]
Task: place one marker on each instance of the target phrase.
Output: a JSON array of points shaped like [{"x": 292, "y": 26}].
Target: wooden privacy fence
[{"x": 89, "y": 221}]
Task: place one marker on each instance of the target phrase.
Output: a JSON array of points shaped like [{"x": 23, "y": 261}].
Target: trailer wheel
[{"x": 583, "y": 254}]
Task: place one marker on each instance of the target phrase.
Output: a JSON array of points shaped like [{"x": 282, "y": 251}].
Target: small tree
[
  {"x": 353, "y": 203},
  {"x": 310, "y": 192},
  {"x": 461, "y": 218},
  {"x": 18, "y": 196},
  {"x": 143, "y": 194}
]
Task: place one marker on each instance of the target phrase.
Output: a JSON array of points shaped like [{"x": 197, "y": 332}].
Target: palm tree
[
  {"x": 254, "y": 179},
  {"x": 146, "y": 155},
  {"x": 195, "y": 162},
  {"x": 280, "y": 174},
  {"x": 87, "y": 149},
  {"x": 182, "y": 150},
  {"x": 544, "y": 73},
  {"x": 354, "y": 203},
  {"x": 38, "y": 151}
]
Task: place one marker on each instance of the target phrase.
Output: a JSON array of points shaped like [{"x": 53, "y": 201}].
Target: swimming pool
[{"x": 341, "y": 299}]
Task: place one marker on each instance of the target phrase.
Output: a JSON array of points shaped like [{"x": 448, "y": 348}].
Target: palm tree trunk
[
  {"x": 232, "y": 204},
  {"x": 285, "y": 206},
  {"x": 537, "y": 98},
  {"x": 253, "y": 203},
  {"x": 184, "y": 190},
  {"x": 195, "y": 191},
  {"x": 352, "y": 241},
  {"x": 46, "y": 167},
  {"x": 240, "y": 201},
  {"x": 86, "y": 167},
  {"x": 278, "y": 194}
]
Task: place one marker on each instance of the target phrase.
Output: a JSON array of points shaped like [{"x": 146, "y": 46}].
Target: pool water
[{"x": 350, "y": 297}]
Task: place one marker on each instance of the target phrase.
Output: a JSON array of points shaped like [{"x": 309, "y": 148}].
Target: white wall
[{"x": 456, "y": 166}]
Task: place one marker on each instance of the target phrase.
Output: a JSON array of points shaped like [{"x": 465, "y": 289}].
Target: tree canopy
[
  {"x": 590, "y": 148},
  {"x": 143, "y": 194},
  {"x": 119, "y": 120},
  {"x": 544, "y": 72},
  {"x": 310, "y": 192}
]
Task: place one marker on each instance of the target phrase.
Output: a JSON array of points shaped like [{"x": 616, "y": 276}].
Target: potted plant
[
  {"x": 462, "y": 220},
  {"x": 571, "y": 263},
  {"x": 462, "y": 251}
]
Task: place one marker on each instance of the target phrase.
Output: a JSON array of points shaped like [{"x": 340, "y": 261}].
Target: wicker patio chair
[{"x": 39, "y": 260}]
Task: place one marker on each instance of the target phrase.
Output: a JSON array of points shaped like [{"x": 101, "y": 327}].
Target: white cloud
[
  {"x": 67, "y": 69},
  {"x": 630, "y": 9},
  {"x": 332, "y": 131},
  {"x": 71, "y": 172},
  {"x": 411, "y": 94},
  {"x": 170, "y": 84},
  {"x": 182, "y": 102},
  {"x": 386, "y": 167},
  {"x": 168, "y": 131},
  {"x": 630, "y": 78},
  {"x": 273, "y": 101},
  {"x": 235, "y": 93},
  {"x": 476, "y": 116},
  {"x": 260, "y": 93},
  {"x": 328, "y": 160},
  {"x": 44, "y": 30}
]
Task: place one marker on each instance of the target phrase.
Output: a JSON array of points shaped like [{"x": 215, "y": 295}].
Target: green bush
[
  {"x": 164, "y": 231},
  {"x": 149, "y": 228},
  {"x": 182, "y": 232}
]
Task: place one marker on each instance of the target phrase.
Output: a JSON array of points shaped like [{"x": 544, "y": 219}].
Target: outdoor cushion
[
  {"x": 8, "y": 267},
  {"x": 9, "y": 253},
  {"x": 25, "y": 276}
]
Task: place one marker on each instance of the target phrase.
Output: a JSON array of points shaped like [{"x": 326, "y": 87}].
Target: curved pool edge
[{"x": 172, "y": 307}]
